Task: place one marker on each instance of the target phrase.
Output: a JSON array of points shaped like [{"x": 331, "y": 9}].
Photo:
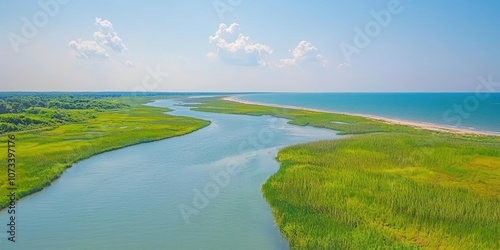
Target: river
[{"x": 197, "y": 191}]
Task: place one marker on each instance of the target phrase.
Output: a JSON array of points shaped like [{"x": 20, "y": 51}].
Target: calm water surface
[
  {"x": 131, "y": 198},
  {"x": 465, "y": 110}
]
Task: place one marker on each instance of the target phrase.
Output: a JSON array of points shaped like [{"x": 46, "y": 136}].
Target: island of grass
[
  {"x": 54, "y": 132},
  {"x": 383, "y": 186}
]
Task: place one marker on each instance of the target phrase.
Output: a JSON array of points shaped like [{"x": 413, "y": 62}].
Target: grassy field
[
  {"x": 43, "y": 154},
  {"x": 387, "y": 187}
]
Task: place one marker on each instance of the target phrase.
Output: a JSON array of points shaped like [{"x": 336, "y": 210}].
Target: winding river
[{"x": 197, "y": 191}]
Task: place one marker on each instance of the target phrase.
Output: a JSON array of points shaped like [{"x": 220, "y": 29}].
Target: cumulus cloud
[
  {"x": 304, "y": 52},
  {"x": 107, "y": 37},
  {"x": 105, "y": 40},
  {"x": 235, "y": 48},
  {"x": 88, "y": 50}
]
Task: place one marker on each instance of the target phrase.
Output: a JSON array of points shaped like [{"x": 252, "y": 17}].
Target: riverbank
[
  {"x": 387, "y": 186},
  {"x": 417, "y": 125},
  {"x": 101, "y": 202},
  {"x": 44, "y": 154}
]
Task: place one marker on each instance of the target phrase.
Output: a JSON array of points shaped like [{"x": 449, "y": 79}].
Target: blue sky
[{"x": 243, "y": 45}]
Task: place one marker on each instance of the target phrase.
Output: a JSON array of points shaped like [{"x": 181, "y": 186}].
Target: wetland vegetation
[{"x": 382, "y": 187}]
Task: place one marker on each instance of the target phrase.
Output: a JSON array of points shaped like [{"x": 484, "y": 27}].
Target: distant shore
[{"x": 417, "y": 125}]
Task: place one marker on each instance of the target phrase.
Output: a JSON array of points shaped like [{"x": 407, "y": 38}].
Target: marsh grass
[
  {"x": 386, "y": 187},
  {"x": 389, "y": 192}
]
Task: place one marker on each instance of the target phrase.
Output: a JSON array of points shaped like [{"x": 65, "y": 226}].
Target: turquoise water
[
  {"x": 465, "y": 110},
  {"x": 131, "y": 198}
]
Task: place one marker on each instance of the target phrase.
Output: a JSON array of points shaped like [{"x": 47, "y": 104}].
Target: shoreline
[{"x": 413, "y": 124}]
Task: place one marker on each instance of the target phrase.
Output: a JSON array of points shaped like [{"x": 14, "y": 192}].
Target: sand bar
[{"x": 414, "y": 124}]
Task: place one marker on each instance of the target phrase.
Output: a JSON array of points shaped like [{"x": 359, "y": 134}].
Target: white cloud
[
  {"x": 235, "y": 48},
  {"x": 107, "y": 37},
  {"x": 105, "y": 41},
  {"x": 304, "y": 52},
  {"x": 88, "y": 50}
]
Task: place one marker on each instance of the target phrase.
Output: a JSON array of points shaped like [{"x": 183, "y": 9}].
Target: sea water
[{"x": 477, "y": 111}]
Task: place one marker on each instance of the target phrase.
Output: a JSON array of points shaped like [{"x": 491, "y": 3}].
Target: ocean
[{"x": 476, "y": 111}]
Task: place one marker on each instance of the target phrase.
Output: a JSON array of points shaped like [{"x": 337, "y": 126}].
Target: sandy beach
[{"x": 417, "y": 125}]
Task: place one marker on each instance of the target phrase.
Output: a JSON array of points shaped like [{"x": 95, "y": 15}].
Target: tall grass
[
  {"x": 380, "y": 191},
  {"x": 399, "y": 188}
]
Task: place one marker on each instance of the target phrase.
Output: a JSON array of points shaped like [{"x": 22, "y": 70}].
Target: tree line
[{"x": 22, "y": 112}]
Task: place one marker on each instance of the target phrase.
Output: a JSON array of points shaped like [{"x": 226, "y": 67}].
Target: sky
[{"x": 243, "y": 45}]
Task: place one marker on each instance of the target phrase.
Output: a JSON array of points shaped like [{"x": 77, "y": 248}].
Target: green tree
[{"x": 4, "y": 107}]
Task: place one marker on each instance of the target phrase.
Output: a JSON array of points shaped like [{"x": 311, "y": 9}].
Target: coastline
[
  {"x": 387, "y": 155},
  {"x": 413, "y": 124}
]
